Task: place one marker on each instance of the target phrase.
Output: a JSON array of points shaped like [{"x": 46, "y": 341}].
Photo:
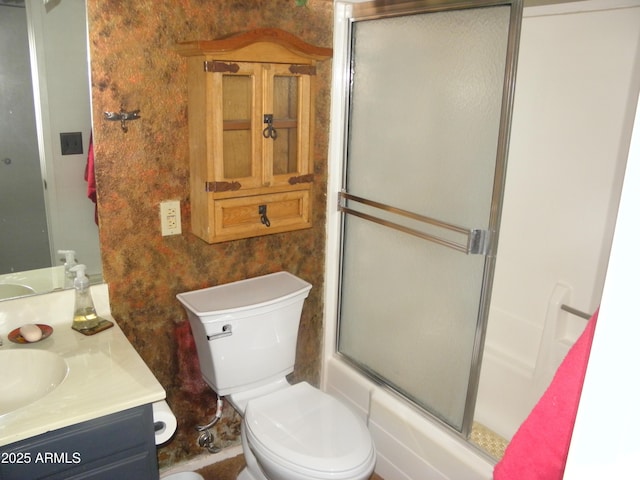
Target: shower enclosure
[
  {"x": 24, "y": 232},
  {"x": 427, "y": 117},
  {"x": 44, "y": 94}
]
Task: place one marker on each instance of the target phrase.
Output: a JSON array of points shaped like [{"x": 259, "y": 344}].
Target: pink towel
[
  {"x": 90, "y": 177},
  {"x": 538, "y": 450}
]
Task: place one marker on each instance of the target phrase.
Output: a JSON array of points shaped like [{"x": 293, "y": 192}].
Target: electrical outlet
[{"x": 170, "y": 223}]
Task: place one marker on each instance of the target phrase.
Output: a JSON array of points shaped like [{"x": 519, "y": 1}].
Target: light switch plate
[{"x": 71, "y": 143}]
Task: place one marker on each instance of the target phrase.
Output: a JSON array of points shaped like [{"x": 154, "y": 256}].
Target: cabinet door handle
[
  {"x": 269, "y": 131},
  {"x": 262, "y": 211}
]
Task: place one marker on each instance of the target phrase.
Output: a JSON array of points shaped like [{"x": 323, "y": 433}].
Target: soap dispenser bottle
[
  {"x": 69, "y": 263},
  {"x": 84, "y": 313}
]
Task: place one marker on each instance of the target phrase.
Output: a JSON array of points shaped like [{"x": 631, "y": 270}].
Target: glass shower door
[
  {"x": 424, "y": 171},
  {"x": 24, "y": 235}
]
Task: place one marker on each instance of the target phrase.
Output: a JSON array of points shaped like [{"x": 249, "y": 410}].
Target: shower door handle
[{"x": 477, "y": 241}]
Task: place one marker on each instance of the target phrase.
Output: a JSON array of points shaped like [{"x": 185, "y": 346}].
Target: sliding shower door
[{"x": 428, "y": 114}]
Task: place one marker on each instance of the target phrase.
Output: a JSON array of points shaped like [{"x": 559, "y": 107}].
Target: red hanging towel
[
  {"x": 90, "y": 177},
  {"x": 539, "y": 449}
]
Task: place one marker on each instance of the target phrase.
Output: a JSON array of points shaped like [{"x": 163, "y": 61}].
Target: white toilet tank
[{"x": 246, "y": 331}]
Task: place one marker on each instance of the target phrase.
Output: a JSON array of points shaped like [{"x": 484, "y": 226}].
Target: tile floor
[{"x": 229, "y": 469}]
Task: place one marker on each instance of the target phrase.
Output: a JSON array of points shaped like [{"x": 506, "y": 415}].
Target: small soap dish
[
  {"x": 16, "y": 337},
  {"x": 102, "y": 325}
]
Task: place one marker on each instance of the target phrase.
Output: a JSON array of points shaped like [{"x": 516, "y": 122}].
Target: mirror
[{"x": 45, "y": 128}]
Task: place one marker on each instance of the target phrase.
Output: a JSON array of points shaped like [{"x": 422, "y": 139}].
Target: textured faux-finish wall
[{"x": 134, "y": 65}]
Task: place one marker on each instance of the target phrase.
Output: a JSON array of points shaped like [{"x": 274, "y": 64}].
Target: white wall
[
  {"x": 60, "y": 39},
  {"x": 577, "y": 80},
  {"x": 605, "y": 442}
]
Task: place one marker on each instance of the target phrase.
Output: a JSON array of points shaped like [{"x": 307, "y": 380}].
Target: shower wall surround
[{"x": 134, "y": 65}]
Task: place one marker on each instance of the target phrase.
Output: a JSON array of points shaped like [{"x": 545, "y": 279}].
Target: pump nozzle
[
  {"x": 69, "y": 255},
  {"x": 69, "y": 261},
  {"x": 81, "y": 281}
]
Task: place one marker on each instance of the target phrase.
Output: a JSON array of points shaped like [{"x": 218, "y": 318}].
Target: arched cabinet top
[{"x": 262, "y": 45}]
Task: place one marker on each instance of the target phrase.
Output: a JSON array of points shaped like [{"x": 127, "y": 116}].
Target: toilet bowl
[
  {"x": 246, "y": 334},
  {"x": 183, "y": 476},
  {"x": 302, "y": 433}
]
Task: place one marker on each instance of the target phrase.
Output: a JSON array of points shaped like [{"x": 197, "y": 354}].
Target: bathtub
[
  {"x": 409, "y": 444},
  {"x": 412, "y": 445}
]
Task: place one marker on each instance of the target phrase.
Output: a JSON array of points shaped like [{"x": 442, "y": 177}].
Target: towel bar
[{"x": 576, "y": 312}]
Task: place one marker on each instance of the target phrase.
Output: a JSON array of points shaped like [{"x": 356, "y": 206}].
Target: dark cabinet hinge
[
  {"x": 221, "y": 186},
  {"x": 308, "y": 178},
  {"x": 213, "y": 66},
  {"x": 303, "y": 69}
]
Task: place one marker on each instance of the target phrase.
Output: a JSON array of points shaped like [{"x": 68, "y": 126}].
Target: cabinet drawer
[{"x": 241, "y": 217}]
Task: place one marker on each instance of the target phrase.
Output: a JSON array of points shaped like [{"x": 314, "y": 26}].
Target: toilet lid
[{"x": 304, "y": 427}]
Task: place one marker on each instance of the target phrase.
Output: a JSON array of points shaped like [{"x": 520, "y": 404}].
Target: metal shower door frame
[{"x": 477, "y": 241}]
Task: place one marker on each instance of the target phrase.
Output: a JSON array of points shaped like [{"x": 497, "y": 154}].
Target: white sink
[
  {"x": 9, "y": 290},
  {"x": 28, "y": 375}
]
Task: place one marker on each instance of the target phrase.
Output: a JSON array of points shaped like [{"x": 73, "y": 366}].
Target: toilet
[
  {"x": 245, "y": 334},
  {"x": 183, "y": 476}
]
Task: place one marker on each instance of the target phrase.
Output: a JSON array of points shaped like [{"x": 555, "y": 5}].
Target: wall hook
[{"x": 122, "y": 116}]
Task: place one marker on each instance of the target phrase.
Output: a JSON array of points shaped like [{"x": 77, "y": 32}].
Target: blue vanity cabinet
[{"x": 116, "y": 446}]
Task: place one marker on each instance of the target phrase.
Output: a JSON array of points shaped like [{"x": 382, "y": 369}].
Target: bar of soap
[{"x": 31, "y": 332}]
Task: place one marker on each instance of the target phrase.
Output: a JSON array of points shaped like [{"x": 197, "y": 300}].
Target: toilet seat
[{"x": 309, "y": 434}]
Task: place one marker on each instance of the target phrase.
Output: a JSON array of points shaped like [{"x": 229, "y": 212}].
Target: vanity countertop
[{"x": 105, "y": 373}]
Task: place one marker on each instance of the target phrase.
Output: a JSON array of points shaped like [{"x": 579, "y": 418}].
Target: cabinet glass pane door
[
  {"x": 237, "y": 98},
  {"x": 285, "y": 121}
]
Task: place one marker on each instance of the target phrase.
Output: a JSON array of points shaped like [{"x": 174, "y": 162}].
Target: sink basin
[
  {"x": 9, "y": 290},
  {"x": 28, "y": 375}
]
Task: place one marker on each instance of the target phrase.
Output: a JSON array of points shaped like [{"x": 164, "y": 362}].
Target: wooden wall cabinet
[{"x": 251, "y": 109}]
